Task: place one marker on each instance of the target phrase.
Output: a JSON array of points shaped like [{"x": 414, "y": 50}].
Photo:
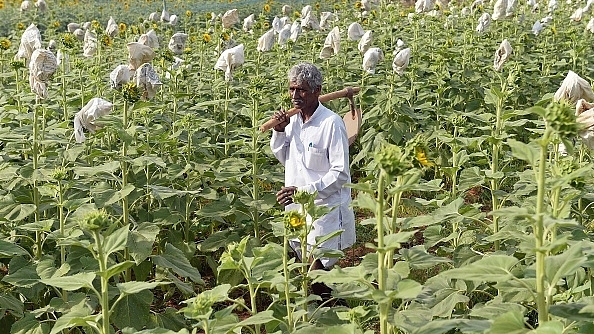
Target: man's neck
[{"x": 306, "y": 114}]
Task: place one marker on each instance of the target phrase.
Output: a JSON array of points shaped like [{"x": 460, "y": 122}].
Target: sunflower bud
[
  {"x": 392, "y": 160},
  {"x": 294, "y": 220},
  {"x": 95, "y": 220},
  {"x": 59, "y": 173},
  {"x": 561, "y": 118}
]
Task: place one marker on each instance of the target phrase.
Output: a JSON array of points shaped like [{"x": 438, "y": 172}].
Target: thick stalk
[
  {"x": 381, "y": 263},
  {"x": 38, "y": 234},
  {"x": 290, "y": 323},
  {"x": 102, "y": 258},
  {"x": 63, "y": 87},
  {"x": 541, "y": 303},
  {"x": 393, "y": 226},
  {"x": 255, "y": 171},
  {"x": 125, "y": 204},
  {"x": 225, "y": 116},
  {"x": 495, "y": 168},
  {"x": 455, "y": 166},
  {"x": 62, "y": 230}
]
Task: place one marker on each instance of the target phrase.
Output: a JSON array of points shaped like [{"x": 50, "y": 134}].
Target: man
[{"x": 313, "y": 147}]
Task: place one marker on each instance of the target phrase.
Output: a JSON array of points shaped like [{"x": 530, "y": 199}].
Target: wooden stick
[{"x": 323, "y": 98}]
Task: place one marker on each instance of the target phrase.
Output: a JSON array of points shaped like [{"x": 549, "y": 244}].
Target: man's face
[{"x": 303, "y": 96}]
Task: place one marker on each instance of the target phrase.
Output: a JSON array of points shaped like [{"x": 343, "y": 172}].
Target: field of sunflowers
[{"x": 138, "y": 192}]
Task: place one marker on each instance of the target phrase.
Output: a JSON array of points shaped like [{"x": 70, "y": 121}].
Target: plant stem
[
  {"x": 62, "y": 230},
  {"x": 38, "y": 235},
  {"x": 102, "y": 258},
  {"x": 381, "y": 263},
  {"x": 286, "y": 276},
  {"x": 495, "y": 167},
  {"x": 255, "y": 171},
  {"x": 125, "y": 205},
  {"x": 541, "y": 302}
]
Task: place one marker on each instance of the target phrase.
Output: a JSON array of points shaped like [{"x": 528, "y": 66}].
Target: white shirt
[{"x": 316, "y": 158}]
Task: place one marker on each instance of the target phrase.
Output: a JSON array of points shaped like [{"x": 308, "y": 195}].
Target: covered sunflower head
[{"x": 294, "y": 220}]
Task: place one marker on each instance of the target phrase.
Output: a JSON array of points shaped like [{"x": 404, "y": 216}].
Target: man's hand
[
  {"x": 281, "y": 116},
  {"x": 285, "y": 196}
]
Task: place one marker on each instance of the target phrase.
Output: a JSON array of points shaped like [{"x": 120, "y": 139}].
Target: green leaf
[
  {"x": 493, "y": 309},
  {"x": 11, "y": 304},
  {"x": 492, "y": 268},
  {"x": 175, "y": 260},
  {"x": 418, "y": 258},
  {"x": 24, "y": 277},
  {"x": 407, "y": 289},
  {"x": 549, "y": 327},
  {"x": 526, "y": 152},
  {"x": 258, "y": 319},
  {"x": 30, "y": 325},
  {"x": 116, "y": 269},
  {"x": 79, "y": 315},
  {"x": 109, "y": 168},
  {"x": 470, "y": 177},
  {"x": 71, "y": 283},
  {"x": 439, "y": 326},
  {"x": 116, "y": 241},
  {"x": 509, "y": 323},
  {"x": 133, "y": 310},
  {"x": 133, "y": 287},
  {"x": 365, "y": 201},
  {"x": 9, "y": 249},
  {"x": 564, "y": 264},
  {"x": 141, "y": 240}
]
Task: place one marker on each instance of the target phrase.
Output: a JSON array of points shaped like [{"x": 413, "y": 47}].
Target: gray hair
[{"x": 306, "y": 72}]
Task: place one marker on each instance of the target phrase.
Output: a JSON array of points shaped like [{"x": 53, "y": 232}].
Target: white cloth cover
[
  {"x": 355, "y": 31},
  {"x": 230, "y": 18},
  {"x": 371, "y": 58},
  {"x": 62, "y": 57},
  {"x": 276, "y": 24},
  {"x": 283, "y": 35},
  {"x": 424, "y": 5},
  {"x": 85, "y": 118},
  {"x": 326, "y": 19},
  {"x": 590, "y": 25},
  {"x": 164, "y": 16},
  {"x": 399, "y": 46},
  {"x": 173, "y": 19},
  {"x": 331, "y": 44},
  {"x": 365, "y": 41},
  {"x": 295, "y": 31},
  {"x": 79, "y": 34},
  {"x": 147, "y": 80},
  {"x": 484, "y": 22},
  {"x": 286, "y": 10},
  {"x": 90, "y": 44},
  {"x": 310, "y": 22},
  {"x": 41, "y": 5},
  {"x": 154, "y": 16},
  {"x": 42, "y": 67},
  {"x": 149, "y": 39},
  {"x": 52, "y": 45},
  {"x": 72, "y": 27},
  {"x": 499, "y": 10},
  {"x": 139, "y": 54},
  {"x": 502, "y": 55},
  {"x": 266, "y": 41},
  {"x": 229, "y": 60},
  {"x": 537, "y": 28},
  {"x": 401, "y": 60},
  {"x": 577, "y": 15},
  {"x": 25, "y": 5},
  {"x": 30, "y": 41},
  {"x": 305, "y": 11},
  {"x": 585, "y": 116},
  {"x": 177, "y": 42},
  {"x": 574, "y": 88},
  {"x": 119, "y": 76},
  {"x": 112, "y": 28},
  {"x": 248, "y": 23}
]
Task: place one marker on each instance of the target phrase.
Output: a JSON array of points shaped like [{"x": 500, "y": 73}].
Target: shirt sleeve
[
  {"x": 279, "y": 145},
  {"x": 338, "y": 155}
]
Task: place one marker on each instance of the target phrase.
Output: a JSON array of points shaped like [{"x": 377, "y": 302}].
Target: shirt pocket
[{"x": 317, "y": 159}]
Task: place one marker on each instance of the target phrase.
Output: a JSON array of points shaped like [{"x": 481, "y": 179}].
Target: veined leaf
[
  {"x": 175, "y": 260},
  {"x": 71, "y": 283},
  {"x": 526, "y": 152},
  {"x": 492, "y": 268}
]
